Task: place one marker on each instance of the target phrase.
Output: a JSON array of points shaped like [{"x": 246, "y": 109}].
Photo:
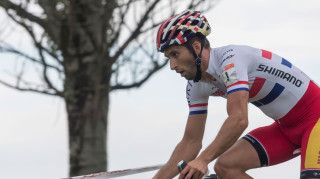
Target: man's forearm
[
  {"x": 184, "y": 151},
  {"x": 229, "y": 133}
]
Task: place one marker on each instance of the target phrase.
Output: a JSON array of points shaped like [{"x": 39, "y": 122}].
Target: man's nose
[{"x": 173, "y": 64}]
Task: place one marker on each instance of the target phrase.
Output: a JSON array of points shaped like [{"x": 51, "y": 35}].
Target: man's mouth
[{"x": 181, "y": 72}]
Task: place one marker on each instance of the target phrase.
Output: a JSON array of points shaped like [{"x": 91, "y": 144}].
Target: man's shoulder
[
  {"x": 226, "y": 53},
  {"x": 231, "y": 48}
]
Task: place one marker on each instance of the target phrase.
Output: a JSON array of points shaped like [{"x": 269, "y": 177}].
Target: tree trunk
[
  {"x": 87, "y": 113},
  {"x": 87, "y": 132},
  {"x": 87, "y": 118},
  {"x": 86, "y": 85}
]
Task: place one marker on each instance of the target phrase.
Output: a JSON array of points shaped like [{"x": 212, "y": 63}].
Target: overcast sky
[{"x": 146, "y": 123}]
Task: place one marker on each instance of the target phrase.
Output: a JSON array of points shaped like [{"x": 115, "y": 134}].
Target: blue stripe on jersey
[
  {"x": 198, "y": 112},
  {"x": 286, "y": 63},
  {"x": 238, "y": 89},
  {"x": 274, "y": 93},
  {"x": 257, "y": 103}
]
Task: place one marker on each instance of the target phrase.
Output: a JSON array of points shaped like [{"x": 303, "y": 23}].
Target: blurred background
[{"x": 146, "y": 123}]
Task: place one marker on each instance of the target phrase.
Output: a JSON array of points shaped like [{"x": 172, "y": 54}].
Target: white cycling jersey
[{"x": 273, "y": 83}]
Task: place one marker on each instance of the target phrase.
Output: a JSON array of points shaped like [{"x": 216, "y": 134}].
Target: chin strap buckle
[{"x": 198, "y": 61}]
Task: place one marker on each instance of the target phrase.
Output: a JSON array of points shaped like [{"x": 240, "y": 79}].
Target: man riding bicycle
[{"x": 242, "y": 75}]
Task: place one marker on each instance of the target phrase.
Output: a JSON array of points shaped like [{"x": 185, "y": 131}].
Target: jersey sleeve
[
  {"x": 234, "y": 72},
  {"x": 197, "y": 97}
]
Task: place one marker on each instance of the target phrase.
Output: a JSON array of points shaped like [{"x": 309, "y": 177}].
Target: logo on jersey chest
[{"x": 279, "y": 73}]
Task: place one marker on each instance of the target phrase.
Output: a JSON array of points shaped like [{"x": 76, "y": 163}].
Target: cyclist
[{"x": 241, "y": 74}]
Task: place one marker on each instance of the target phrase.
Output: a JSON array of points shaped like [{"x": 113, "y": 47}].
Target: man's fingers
[
  {"x": 196, "y": 175},
  {"x": 184, "y": 172},
  {"x": 190, "y": 174}
]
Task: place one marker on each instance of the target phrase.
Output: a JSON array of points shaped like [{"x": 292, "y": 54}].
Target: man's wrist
[{"x": 204, "y": 158}]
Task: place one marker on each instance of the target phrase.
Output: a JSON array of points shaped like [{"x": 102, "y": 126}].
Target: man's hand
[{"x": 195, "y": 169}]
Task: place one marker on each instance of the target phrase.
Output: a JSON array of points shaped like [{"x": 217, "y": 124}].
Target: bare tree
[{"x": 84, "y": 50}]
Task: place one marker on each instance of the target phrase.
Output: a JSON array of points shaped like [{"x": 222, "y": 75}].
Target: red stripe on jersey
[
  {"x": 266, "y": 54},
  {"x": 238, "y": 83},
  {"x": 256, "y": 86},
  {"x": 311, "y": 96},
  {"x": 198, "y": 105}
]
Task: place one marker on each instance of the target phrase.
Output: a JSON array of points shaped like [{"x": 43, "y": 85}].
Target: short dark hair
[{"x": 198, "y": 39}]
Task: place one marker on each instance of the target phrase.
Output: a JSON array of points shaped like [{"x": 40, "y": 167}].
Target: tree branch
[
  {"x": 47, "y": 92},
  {"x": 10, "y": 49},
  {"x": 121, "y": 23},
  {"x": 40, "y": 50},
  {"x": 136, "y": 32},
  {"x": 21, "y": 12},
  {"x": 208, "y": 6},
  {"x": 45, "y": 67},
  {"x": 49, "y": 8},
  {"x": 30, "y": 32},
  {"x": 152, "y": 27},
  {"x": 139, "y": 83}
]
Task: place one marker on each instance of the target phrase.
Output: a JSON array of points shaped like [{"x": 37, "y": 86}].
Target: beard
[
  {"x": 189, "y": 77},
  {"x": 191, "y": 73}
]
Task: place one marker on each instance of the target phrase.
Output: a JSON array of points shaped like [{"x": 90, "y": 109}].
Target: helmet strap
[{"x": 198, "y": 59}]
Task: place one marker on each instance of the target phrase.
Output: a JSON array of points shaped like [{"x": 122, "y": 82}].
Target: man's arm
[
  {"x": 187, "y": 149},
  {"x": 233, "y": 127},
  {"x": 231, "y": 130}
]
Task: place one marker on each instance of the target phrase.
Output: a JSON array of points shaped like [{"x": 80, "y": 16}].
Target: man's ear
[{"x": 197, "y": 47}]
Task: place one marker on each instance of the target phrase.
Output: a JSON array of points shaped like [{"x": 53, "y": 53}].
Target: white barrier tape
[{"x": 117, "y": 173}]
